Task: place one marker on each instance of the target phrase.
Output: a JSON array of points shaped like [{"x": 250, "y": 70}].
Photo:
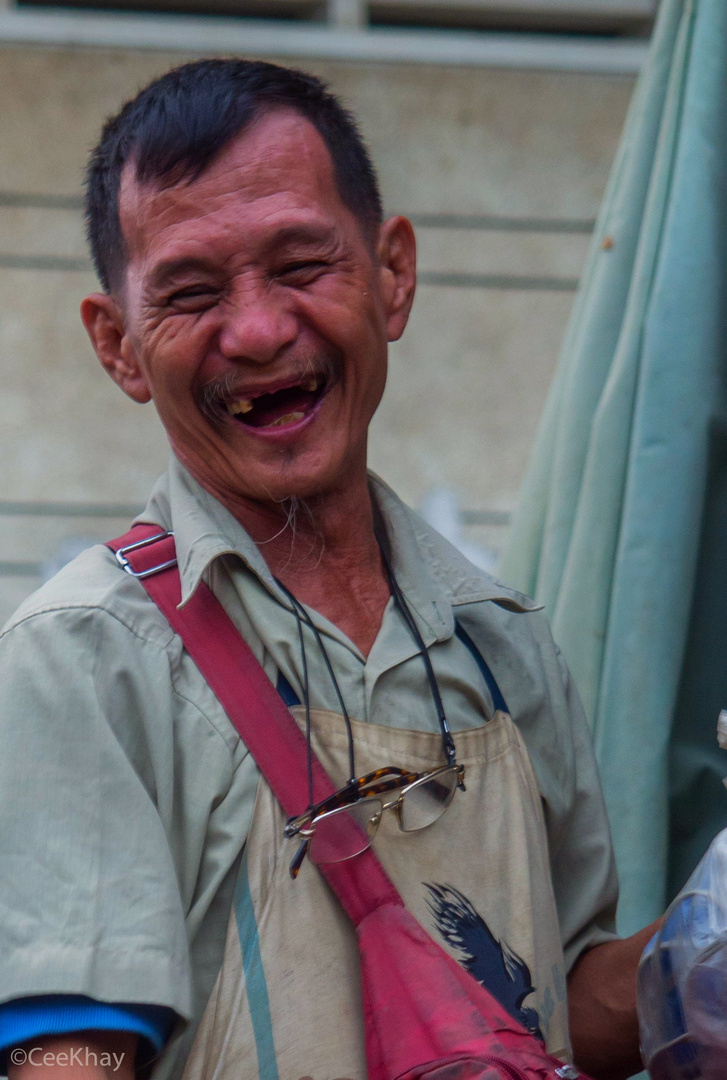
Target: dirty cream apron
[{"x": 287, "y": 1002}]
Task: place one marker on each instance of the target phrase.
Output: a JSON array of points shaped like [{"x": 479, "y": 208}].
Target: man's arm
[
  {"x": 93, "y": 909},
  {"x": 86, "y": 1055},
  {"x": 602, "y": 1007}
]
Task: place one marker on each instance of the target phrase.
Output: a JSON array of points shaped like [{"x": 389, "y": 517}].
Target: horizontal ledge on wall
[
  {"x": 516, "y": 282},
  {"x": 422, "y": 219},
  {"x": 497, "y": 223},
  {"x": 44, "y": 262},
  {"x": 443, "y": 279},
  {"x": 223, "y": 34},
  {"x": 15, "y": 508},
  {"x": 500, "y": 518},
  {"x": 39, "y": 201},
  {"x": 21, "y": 569}
]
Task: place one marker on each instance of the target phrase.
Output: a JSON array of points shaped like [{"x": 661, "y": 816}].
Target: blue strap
[
  {"x": 497, "y": 699},
  {"x": 290, "y": 698},
  {"x": 286, "y": 691}
]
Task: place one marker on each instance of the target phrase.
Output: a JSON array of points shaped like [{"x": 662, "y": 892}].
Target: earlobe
[
  {"x": 104, "y": 322},
  {"x": 397, "y": 263}
]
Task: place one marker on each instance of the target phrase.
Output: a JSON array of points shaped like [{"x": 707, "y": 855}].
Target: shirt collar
[
  {"x": 203, "y": 529},
  {"x": 433, "y": 575}
]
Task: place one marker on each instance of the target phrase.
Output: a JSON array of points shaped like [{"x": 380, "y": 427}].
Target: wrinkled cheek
[{"x": 172, "y": 349}]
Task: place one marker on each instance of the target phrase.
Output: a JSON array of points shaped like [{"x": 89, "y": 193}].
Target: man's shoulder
[
  {"x": 94, "y": 583},
  {"x": 463, "y": 580}
]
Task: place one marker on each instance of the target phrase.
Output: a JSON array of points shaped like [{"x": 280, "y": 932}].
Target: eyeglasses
[{"x": 344, "y": 824}]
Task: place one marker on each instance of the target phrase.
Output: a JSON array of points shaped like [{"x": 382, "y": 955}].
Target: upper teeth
[{"x": 245, "y": 405}]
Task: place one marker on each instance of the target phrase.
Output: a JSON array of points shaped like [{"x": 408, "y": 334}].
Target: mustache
[{"x": 214, "y": 397}]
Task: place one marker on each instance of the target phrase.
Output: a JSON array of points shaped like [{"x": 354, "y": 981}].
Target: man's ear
[
  {"x": 396, "y": 251},
  {"x": 104, "y": 321}
]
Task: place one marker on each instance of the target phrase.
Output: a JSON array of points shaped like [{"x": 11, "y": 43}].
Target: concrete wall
[{"x": 468, "y": 380}]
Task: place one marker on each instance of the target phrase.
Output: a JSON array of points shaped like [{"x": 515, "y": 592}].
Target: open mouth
[{"x": 280, "y": 408}]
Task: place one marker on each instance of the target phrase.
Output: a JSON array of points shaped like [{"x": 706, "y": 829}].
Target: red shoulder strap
[{"x": 251, "y": 702}]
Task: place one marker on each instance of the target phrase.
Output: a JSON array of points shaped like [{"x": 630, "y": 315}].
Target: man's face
[{"x": 256, "y": 315}]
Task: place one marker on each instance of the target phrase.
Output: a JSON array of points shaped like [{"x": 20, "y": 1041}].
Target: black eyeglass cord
[
  {"x": 302, "y": 616},
  {"x": 306, "y": 698},
  {"x": 400, "y": 601}
]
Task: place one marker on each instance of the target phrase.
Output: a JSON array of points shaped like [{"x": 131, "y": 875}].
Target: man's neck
[{"x": 326, "y": 552}]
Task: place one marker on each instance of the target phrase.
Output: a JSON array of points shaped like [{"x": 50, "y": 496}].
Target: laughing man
[{"x": 250, "y": 289}]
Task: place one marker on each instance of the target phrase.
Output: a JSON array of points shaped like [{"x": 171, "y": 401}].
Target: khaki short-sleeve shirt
[{"x": 126, "y": 794}]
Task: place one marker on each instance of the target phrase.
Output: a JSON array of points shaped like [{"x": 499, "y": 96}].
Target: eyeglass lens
[
  {"x": 345, "y": 832},
  {"x": 426, "y": 800}
]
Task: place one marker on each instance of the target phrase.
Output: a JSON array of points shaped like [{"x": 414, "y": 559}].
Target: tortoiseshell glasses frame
[{"x": 351, "y": 816}]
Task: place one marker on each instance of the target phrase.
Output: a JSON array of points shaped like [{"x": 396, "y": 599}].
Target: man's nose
[{"x": 258, "y": 324}]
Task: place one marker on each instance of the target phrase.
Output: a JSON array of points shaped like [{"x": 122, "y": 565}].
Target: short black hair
[{"x": 176, "y": 126}]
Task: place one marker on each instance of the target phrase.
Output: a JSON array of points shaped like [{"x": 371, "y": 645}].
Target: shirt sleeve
[
  {"x": 89, "y": 898},
  {"x": 53, "y": 1014},
  {"x": 582, "y": 859}
]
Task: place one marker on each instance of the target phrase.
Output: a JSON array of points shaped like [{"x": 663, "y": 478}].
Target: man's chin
[
  {"x": 268, "y": 489},
  {"x": 294, "y": 473},
  {"x": 239, "y": 479},
  {"x": 276, "y": 490}
]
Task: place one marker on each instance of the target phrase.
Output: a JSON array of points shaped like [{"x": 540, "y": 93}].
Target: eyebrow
[
  {"x": 168, "y": 269},
  {"x": 288, "y": 236},
  {"x": 302, "y": 234}
]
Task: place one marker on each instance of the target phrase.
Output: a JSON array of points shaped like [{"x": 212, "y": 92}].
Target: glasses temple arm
[{"x": 297, "y": 860}]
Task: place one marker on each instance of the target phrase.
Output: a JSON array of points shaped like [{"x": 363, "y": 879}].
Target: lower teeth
[{"x": 289, "y": 418}]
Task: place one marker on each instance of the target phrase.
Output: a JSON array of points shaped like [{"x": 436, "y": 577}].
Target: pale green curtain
[{"x": 607, "y": 532}]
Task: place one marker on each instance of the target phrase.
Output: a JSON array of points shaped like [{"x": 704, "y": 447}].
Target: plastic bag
[{"x": 682, "y": 979}]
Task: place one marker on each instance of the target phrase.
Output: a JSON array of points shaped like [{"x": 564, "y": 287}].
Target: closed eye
[
  {"x": 193, "y": 298},
  {"x": 301, "y": 273}
]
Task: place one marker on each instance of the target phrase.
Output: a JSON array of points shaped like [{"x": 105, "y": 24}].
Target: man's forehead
[{"x": 280, "y": 155}]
